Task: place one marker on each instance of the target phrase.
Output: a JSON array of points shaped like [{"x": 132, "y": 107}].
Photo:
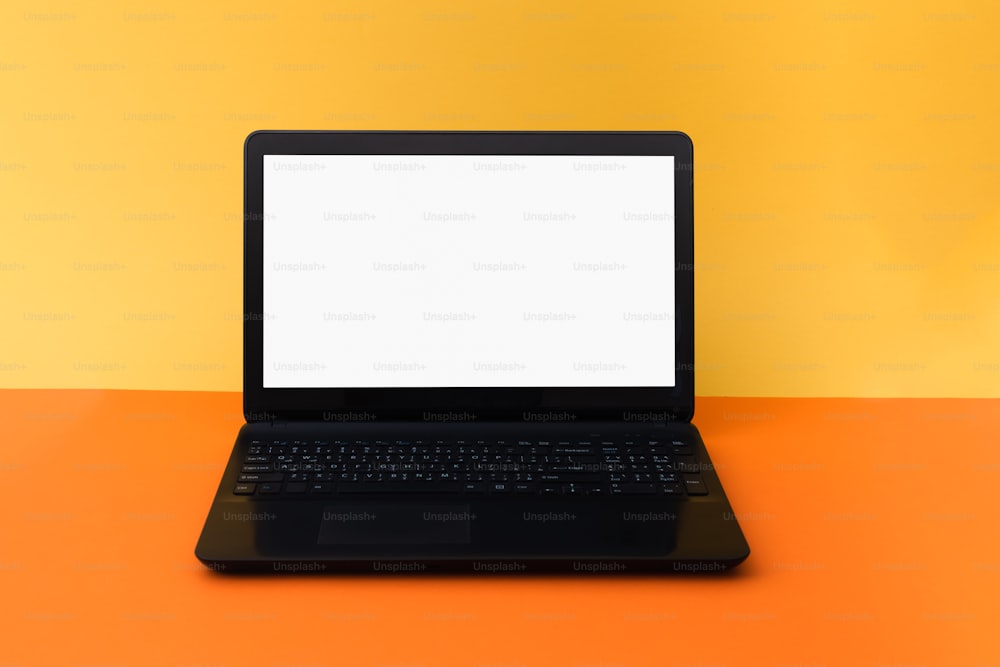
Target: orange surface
[{"x": 871, "y": 524}]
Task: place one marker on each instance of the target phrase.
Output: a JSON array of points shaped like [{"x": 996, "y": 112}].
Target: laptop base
[{"x": 491, "y": 533}]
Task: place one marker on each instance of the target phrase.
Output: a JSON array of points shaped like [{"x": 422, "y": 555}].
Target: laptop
[{"x": 469, "y": 352}]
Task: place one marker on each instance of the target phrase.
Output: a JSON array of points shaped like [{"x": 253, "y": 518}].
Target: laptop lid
[{"x": 445, "y": 276}]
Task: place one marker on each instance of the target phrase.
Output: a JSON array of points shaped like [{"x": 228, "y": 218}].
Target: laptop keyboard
[
  {"x": 581, "y": 467},
  {"x": 310, "y": 468}
]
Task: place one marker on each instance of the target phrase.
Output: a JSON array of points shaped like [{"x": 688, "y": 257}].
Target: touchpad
[{"x": 395, "y": 523}]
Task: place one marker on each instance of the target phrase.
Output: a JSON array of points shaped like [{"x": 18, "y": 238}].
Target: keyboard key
[
  {"x": 262, "y": 477},
  {"x": 320, "y": 488},
  {"x": 244, "y": 489},
  {"x": 573, "y": 477},
  {"x": 295, "y": 487},
  {"x": 632, "y": 488},
  {"x": 695, "y": 485},
  {"x": 270, "y": 488},
  {"x": 395, "y": 487}
]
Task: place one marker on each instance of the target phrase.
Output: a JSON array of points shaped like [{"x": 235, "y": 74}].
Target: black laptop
[{"x": 469, "y": 351}]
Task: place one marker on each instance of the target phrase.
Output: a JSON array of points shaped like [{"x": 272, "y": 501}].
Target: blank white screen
[{"x": 468, "y": 271}]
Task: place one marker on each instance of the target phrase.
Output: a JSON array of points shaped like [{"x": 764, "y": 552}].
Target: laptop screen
[{"x": 468, "y": 271}]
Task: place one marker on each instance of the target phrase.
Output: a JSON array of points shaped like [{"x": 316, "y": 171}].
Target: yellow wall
[{"x": 848, "y": 161}]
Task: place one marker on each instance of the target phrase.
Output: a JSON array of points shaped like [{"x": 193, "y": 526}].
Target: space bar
[{"x": 398, "y": 487}]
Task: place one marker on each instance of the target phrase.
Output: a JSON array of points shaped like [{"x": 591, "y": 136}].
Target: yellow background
[{"x": 847, "y": 158}]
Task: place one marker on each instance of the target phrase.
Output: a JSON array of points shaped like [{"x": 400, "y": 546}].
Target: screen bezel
[{"x": 639, "y": 404}]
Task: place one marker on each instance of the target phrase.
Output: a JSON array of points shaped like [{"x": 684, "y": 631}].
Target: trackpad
[{"x": 395, "y": 523}]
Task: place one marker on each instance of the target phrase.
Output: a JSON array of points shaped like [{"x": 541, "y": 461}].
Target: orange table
[{"x": 871, "y": 523}]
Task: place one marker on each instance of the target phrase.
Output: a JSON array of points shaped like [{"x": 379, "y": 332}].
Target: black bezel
[{"x": 532, "y": 403}]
